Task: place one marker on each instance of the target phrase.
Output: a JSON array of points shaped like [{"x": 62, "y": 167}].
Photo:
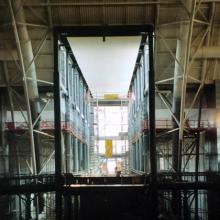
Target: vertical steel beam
[
  {"x": 57, "y": 110},
  {"x": 25, "y": 85},
  {"x": 179, "y": 95},
  {"x": 76, "y": 158},
  {"x": 57, "y": 121},
  {"x": 28, "y": 57},
  {"x": 197, "y": 156},
  {"x": 68, "y": 151},
  {"x": 141, "y": 154},
  {"x": 180, "y": 56},
  {"x": 180, "y": 83},
  {"x": 86, "y": 158},
  {"x": 3, "y": 142},
  {"x": 185, "y": 76},
  {"x": 152, "y": 144},
  {"x": 68, "y": 103},
  {"x": 185, "y": 206},
  {"x": 83, "y": 156},
  {"x": 28, "y": 207},
  {"x": 136, "y": 156},
  {"x": 145, "y": 135},
  {"x": 68, "y": 141},
  {"x": 5, "y": 67},
  {"x": 215, "y": 150},
  {"x": 80, "y": 153},
  {"x": 30, "y": 70}
]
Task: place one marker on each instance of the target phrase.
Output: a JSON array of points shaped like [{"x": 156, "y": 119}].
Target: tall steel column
[
  {"x": 68, "y": 140},
  {"x": 146, "y": 116},
  {"x": 86, "y": 157},
  {"x": 57, "y": 120},
  {"x": 177, "y": 85},
  {"x": 20, "y": 55},
  {"x": 152, "y": 144},
  {"x": 80, "y": 153},
  {"x": 75, "y": 155},
  {"x": 68, "y": 152},
  {"x": 180, "y": 81},
  {"x": 4, "y": 168},
  {"x": 197, "y": 157},
  {"x": 216, "y": 159},
  {"x": 179, "y": 94},
  {"x": 27, "y": 52},
  {"x": 30, "y": 71}
]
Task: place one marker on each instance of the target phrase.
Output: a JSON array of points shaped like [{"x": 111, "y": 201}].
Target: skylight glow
[{"x": 106, "y": 65}]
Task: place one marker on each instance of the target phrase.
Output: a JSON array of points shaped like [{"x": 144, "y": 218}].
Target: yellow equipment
[{"x": 108, "y": 148}]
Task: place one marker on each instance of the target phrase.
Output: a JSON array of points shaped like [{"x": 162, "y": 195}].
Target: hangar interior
[{"x": 110, "y": 109}]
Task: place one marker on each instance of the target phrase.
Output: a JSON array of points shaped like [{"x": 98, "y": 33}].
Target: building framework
[{"x": 176, "y": 158}]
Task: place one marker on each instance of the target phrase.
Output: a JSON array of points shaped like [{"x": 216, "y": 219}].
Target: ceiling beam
[{"x": 86, "y": 4}]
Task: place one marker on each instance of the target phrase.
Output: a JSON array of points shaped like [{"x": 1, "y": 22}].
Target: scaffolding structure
[{"x": 111, "y": 124}]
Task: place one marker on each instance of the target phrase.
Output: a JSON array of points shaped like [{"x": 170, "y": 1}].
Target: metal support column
[
  {"x": 68, "y": 140},
  {"x": 68, "y": 151},
  {"x": 152, "y": 144},
  {"x": 197, "y": 156},
  {"x": 215, "y": 163},
  {"x": 83, "y": 156},
  {"x": 25, "y": 85},
  {"x": 145, "y": 110},
  {"x": 5, "y": 152},
  {"x": 186, "y": 69},
  {"x": 57, "y": 119},
  {"x": 136, "y": 155},
  {"x": 80, "y": 155},
  {"x": 76, "y": 158},
  {"x": 86, "y": 157},
  {"x": 180, "y": 56},
  {"x": 28, "y": 207},
  {"x": 185, "y": 206},
  {"x": 176, "y": 147},
  {"x": 179, "y": 95}
]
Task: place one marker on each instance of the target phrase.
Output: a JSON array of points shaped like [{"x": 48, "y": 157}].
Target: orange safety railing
[
  {"x": 47, "y": 125},
  {"x": 160, "y": 124}
]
